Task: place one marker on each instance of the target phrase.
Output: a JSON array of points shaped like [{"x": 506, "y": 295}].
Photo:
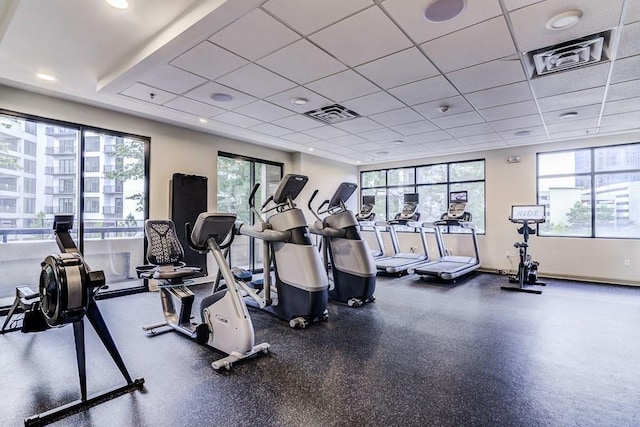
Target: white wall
[{"x": 515, "y": 183}]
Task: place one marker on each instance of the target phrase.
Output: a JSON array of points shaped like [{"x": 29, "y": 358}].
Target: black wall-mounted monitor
[
  {"x": 411, "y": 198},
  {"x": 458, "y": 197},
  {"x": 369, "y": 200}
]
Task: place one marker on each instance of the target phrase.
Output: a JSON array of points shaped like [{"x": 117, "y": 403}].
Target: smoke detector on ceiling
[{"x": 569, "y": 55}]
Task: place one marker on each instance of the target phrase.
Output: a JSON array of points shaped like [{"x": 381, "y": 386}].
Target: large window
[
  {"x": 236, "y": 177},
  {"x": 591, "y": 192},
  {"x": 50, "y": 178},
  {"x": 433, "y": 183}
]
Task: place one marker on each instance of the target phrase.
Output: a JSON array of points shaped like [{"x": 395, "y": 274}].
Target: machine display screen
[
  {"x": 368, "y": 200},
  {"x": 528, "y": 212},
  {"x": 458, "y": 197},
  {"x": 411, "y": 198}
]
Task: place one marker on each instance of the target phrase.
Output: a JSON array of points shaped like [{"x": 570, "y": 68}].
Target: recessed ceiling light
[
  {"x": 523, "y": 133},
  {"x": 44, "y": 76},
  {"x": 118, "y": 4},
  {"x": 568, "y": 115},
  {"x": 203, "y": 120},
  {"x": 299, "y": 101},
  {"x": 310, "y": 148},
  {"x": 382, "y": 153},
  {"x": 398, "y": 142},
  {"x": 358, "y": 162},
  {"x": 222, "y": 97},
  {"x": 564, "y": 20},
  {"x": 443, "y": 108},
  {"x": 444, "y": 10}
]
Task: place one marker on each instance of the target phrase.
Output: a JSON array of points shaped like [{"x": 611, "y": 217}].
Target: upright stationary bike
[
  {"x": 527, "y": 268},
  {"x": 226, "y": 324}
]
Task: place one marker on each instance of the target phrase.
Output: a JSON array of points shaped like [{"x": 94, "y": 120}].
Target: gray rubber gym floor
[{"x": 423, "y": 354}]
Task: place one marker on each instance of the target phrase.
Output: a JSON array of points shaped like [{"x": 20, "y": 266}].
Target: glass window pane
[
  {"x": 617, "y": 205},
  {"x": 432, "y": 174},
  {"x": 475, "y": 194},
  {"x": 620, "y": 157},
  {"x": 568, "y": 206},
  {"x": 402, "y": 176},
  {"x": 234, "y": 187},
  {"x": 396, "y": 200},
  {"x": 373, "y": 178},
  {"x": 380, "y": 208},
  {"x": 434, "y": 201},
  {"x": 466, "y": 171},
  {"x": 566, "y": 162}
]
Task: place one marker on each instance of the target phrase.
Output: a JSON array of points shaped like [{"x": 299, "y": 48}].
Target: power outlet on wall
[{"x": 626, "y": 263}]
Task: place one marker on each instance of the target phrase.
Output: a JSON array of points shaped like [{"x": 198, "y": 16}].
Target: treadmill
[
  {"x": 401, "y": 262},
  {"x": 450, "y": 267},
  {"x": 366, "y": 218}
]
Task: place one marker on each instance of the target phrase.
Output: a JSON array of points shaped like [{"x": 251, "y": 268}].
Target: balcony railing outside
[
  {"x": 111, "y": 210},
  {"x": 59, "y": 210},
  {"x": 111, "y": 189},
  {"x": 59, "y": 190},
  {"x": 60, "y": 151},
  {"x": 59, "y": 171}
]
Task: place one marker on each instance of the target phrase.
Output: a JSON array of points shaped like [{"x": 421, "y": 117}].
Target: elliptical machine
[
  {"x": 66, "y": 294},
  {"x": 352, "y": 268},
  {"x": 527, "y": 268},
  {"x": 226, "y": 325},
  {"x": 300, "y": 292}
]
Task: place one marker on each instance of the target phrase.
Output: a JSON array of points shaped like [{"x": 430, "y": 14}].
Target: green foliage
[
  {"x": 579, "y": 216},
  {"x": 233, "y": 187},
  {"x": 7, "y": 161},
  {"x": 132, "y": 169}
]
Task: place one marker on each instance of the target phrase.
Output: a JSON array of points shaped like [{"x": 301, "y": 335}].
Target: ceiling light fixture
[
  {"x": 569, "y": 115},
  {"x": 221, "y": 97},
  {"x": 299, "y": 101},
  {"x": 310, "y": 148},
  {"x": 443, "y": 108},
  {"x": 203, "y": 120},
  {"x": 382, "y": 153},
  {"x": 118, "y": 4},
  {"x": 47, "y": 77},
  {"x": 523, "y": 133},
  {"x": 398, "y": 142},
  {"x": 444, "y": 10},
  {"x": 564, "y": 20}
]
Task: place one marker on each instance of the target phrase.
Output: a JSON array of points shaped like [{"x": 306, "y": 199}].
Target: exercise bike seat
[{"x": 164, "y": 254}]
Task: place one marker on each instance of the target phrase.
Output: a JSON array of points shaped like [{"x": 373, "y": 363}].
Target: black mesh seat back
[
  {"x": 164, "y": 247},
  {"x": 290, "y": 186}
]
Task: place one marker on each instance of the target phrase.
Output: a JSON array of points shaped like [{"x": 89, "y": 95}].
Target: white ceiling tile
[
  {"x": 517, "y": 4},
  {"x": 380, "y": 134},
  {"x": 455, "y": 104},
  {"x": 571, "y": 80},
  {"x": 480, "y": 139},
  {"x": 311, "y": 15},
  {"x": 477, "y": 129},
  {"x": 342, "y": 150},
  {"x": 626, "y": 69},
  {"x": 622, "y": 106},
  {"x": 343, "y": 86},
  {"x": 415, "y": 128},
  {"x": 571, "y": 100},
  {"x": 301, "y": 62},
  {"x": 190, "y": 106},
  {"x": 517, "y": 123},
  {"x": 353, "y": 42},
  {"x": 272, "y": 130},
  {"x": 284, "y": 99},
  {"x": 629, "y": 89},
  {"x": 518, "y": 141},
  {"x": 508, "y": 111},
  {"x": 630, "y": 41},
  {"x": 428, "y": 137},
  {"x": 300, "y": 138},
  {"x": 204, "y": 92},
  {"x": 373, "y": 103},
  {"x": 456, "y": 120},
  {"x": 534, "y": 133},
  {"x": 595, "y": 18},
  {"x": 236, "y": 119},
  {"x": 481, "y": 43},
  {"x": 487, "y": 145},
  {"x": 487, "y": 75},
  {"x": 502, "y": 95},
  {"x": 148, "y": 94},
  {"x": 573, "y": 134},
  {"x": 266, "y": 35},
  {"x": 410, "y": 15},
  {"x": 583, "y": 112},
  {"x": 630, "y": 120},
  {"x": 368, "y": 146},
  {"x": 360, "y": 124},
  {"x": 263, "y": 110},
  {"x": 633, "y": 12},
  {"x": 347, "y": 140},
  {"x": 397, "y": 117},
  {"x": 298, "y": 123},
  {"x": 171, "y": 79},
  {"x": 326, "y": 132},
  {"x": 208, "y": 60},
  {"x": 256, "y": 81},
  {"x": 403, "y": 67},
  {"x": 424, "y": 91},
  {"x": 574, "y": 125},
  {"x": 439, "y": 145}
]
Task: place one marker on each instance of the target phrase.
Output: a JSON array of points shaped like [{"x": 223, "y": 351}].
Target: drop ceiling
[{"x": 420, "y": 88}]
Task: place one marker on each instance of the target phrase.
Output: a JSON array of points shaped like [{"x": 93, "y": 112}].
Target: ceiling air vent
[
  {"x": 335, "y": 113},
  {"x": 576, "y": 53}
]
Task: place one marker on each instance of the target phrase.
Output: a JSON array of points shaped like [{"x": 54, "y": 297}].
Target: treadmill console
[
  {"x": 366, "y": 210},
  {"x": 457, "y": 205},
  {"x": 410, "y": 208}
]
